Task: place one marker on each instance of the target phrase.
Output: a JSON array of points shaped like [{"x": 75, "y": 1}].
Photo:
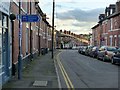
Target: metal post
[
  {"x": 13, "y": 68},
  {"x": 39, "y": 38},
  {"x": 20, "y": 44},
  {"x": 30, "y": 35},
  {"x": 53, "y": 28}
]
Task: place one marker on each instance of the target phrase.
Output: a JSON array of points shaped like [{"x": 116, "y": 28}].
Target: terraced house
[
  {"x": 107, "y": 31},
  {"x": 34, "y": 35}
]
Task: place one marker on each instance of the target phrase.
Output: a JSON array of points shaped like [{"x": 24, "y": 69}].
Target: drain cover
[{"x": 40, "y": 83}]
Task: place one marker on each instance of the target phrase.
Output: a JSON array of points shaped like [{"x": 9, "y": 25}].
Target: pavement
[{"x": 40, "y": 73}]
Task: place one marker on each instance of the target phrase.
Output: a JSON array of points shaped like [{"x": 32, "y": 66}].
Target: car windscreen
[{"x": 111, "y": 49}]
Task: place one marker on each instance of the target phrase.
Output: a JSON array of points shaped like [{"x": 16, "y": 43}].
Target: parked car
[
  {"x": 74, "y": 48},
  {"x": 106, "y": 52},
  {"x": 82, "y": 49},
  {"x": 88, "y": 49},
  {"x": 93, "y": 52},
  {"x": 116, "y": 57}
]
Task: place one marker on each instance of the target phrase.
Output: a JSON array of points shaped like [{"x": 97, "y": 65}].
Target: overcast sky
[{"x": 78, "y": 16}]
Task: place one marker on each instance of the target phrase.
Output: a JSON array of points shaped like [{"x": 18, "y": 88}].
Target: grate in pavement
[{"x": 40, "y": 83}]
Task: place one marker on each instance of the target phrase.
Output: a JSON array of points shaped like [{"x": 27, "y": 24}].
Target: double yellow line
[{"x": 65, "y": 76}]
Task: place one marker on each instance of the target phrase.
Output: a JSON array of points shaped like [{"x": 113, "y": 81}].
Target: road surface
[{"x": 80, "y": 71}]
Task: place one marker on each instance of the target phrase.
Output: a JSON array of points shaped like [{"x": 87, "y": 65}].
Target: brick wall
[{"x": 108, "y": 29}]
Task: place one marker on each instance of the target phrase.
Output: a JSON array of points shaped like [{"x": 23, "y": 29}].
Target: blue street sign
[{"x": 30, "y": 18}]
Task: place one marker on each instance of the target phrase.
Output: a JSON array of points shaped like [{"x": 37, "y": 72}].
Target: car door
[
  {"x": 111, "y": 52},
  {"x": 101, "y": 52}
]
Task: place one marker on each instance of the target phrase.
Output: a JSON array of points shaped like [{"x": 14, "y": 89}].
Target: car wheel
[
  {"x": 112, "y": 61},
  {"x": 98, "y": 57},
  {"x": 94, "y": 56}
]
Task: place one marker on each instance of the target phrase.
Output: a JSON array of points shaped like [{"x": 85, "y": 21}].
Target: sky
[{"x": 78, "y": 16}]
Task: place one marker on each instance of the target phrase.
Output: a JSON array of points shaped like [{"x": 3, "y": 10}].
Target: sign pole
[
  {"x": 24, "y": 18},
  {"x": 20, "y": 44}
]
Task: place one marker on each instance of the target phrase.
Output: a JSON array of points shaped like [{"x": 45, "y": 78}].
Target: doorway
[{"x": 4, "y": 49}]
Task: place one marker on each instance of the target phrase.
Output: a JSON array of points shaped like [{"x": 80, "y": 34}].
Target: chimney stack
[
  {"x": 101, "y": 17},
  {"x": 107, "y": 10},
  {"x": 112, "y": 8},
  {"x": 118, "y": 6}
]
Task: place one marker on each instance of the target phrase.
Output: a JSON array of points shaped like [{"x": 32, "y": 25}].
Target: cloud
[
  {"x": 74, "y": 26},
  {"x": 64, "y": 1},
  {"x": 75, "y": 15},
  {"x": 79, "y": 24},
  {"x": 80, "y": 15},
  {"x": 80, "y": 1},
  {"x": 59, "y": 6},
  {"x": 77, "y": 20}
]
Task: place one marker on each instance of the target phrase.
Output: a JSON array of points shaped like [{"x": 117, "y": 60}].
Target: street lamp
[
  {"x": 12, "y": 18},
  {"x": 53, "y": 28}
]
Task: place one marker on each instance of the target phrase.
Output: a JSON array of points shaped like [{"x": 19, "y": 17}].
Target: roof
[
  {"x": 111, "y": 16},
  {"x": 43, "y": 15},
  {"x": 95, "y": 26}
]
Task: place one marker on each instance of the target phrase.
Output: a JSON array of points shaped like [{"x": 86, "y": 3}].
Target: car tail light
[{"x": 105, "y": 52}]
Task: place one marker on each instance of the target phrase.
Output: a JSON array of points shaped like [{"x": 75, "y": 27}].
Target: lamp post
[
  {"x": 12, "y": 18},
  {"x": 53, "y": 28}
]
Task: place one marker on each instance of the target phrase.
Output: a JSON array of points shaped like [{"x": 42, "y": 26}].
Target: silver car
[{"x": 106, "y": 52}]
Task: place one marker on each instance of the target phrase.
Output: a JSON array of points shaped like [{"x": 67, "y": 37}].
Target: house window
[
  {"x": 32, "y": 7},
  {"x": 115, "y": 40},
  {"x": 115, "y": 24},
  {"x": 26, "y": 8},
  {"x": 111, "y": 25},
  {"x": 107, "y": 14},
  {"x": 34, "y": 39},
  {"x": 111, "y": 11},
  {"x": 3, "y": 36},
  {"x": 4, "y": 18},
  {"x": 27, "y": 39},
  {"x": 106, "y": 41},
  {"x": 111, "y": 40}
]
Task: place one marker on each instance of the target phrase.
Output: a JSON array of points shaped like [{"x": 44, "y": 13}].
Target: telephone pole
[{"x": 53, "y": 29}]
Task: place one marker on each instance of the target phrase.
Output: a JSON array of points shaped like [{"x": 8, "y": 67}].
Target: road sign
[{"x": 30, "y": 18}]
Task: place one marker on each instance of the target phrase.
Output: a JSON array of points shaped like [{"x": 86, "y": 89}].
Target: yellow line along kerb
[
  {"x": 64, "y": 73},
  {"x": 67, "y": 77},
  {"x": 64, "y": 76}
]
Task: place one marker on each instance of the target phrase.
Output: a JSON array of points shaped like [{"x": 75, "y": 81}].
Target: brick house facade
[
  {"x": 108, "y": 28},
  {"x": 34, "y": 36}
]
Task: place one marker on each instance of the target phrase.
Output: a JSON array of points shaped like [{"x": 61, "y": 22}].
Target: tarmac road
[{"x": 80, "y": 71}]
